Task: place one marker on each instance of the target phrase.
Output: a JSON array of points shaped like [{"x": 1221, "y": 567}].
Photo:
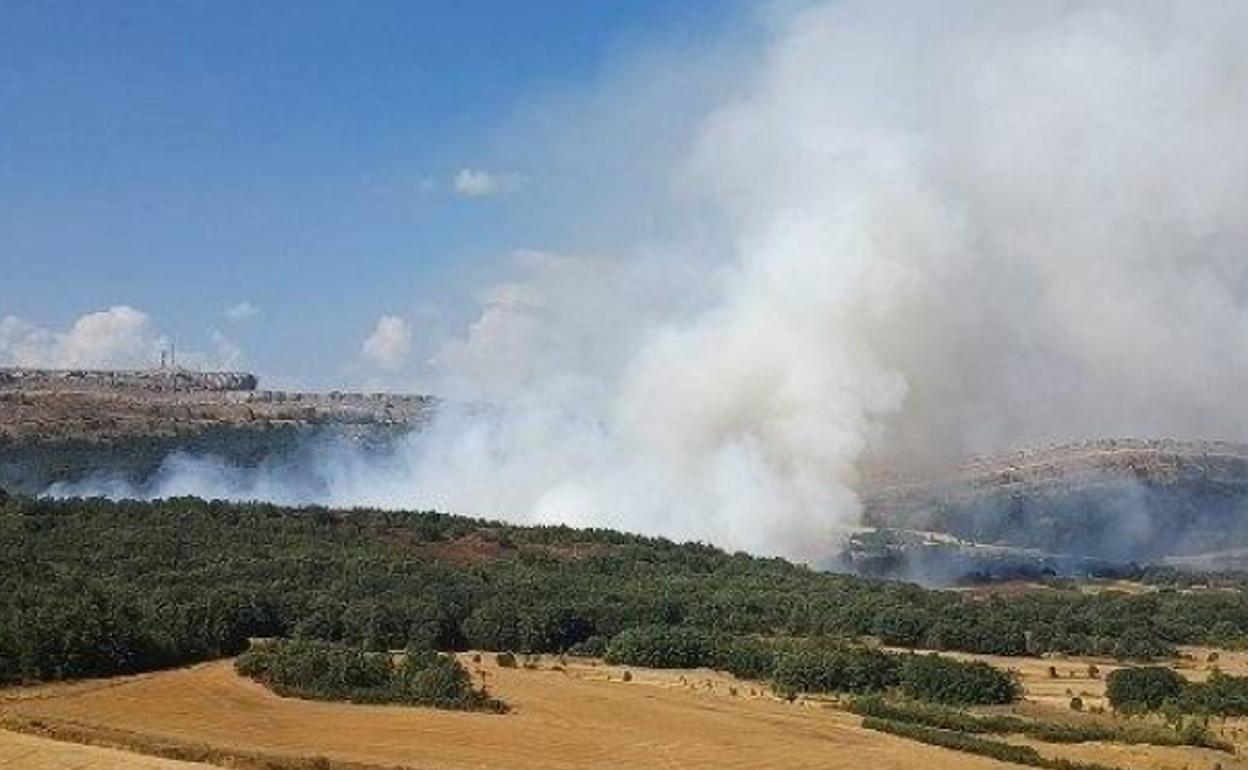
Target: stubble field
[{"x": 578, "y": 714}]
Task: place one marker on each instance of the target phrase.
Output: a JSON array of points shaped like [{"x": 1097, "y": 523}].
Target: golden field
[
  {"x": 577, "y": 715},
  {"x": 29, "y": 752}
]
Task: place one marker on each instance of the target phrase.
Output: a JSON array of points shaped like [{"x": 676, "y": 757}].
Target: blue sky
[{"x": 182, "y": 157}]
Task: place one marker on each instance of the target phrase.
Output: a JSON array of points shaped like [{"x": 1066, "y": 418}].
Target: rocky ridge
[
  {"x": 64, "y": 426},
  {"x": 1079, "y": 507},
  {"x": 100, "y": 406}
]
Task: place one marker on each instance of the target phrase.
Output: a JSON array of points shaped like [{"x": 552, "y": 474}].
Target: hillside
[
  {"x": 92, "y": 587},
  {"x": 1092, "y": 507},
  {"x": 1074, "y": 507},
  {"x": 63, "y": 425}
]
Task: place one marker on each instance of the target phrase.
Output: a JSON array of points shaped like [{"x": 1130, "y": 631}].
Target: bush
[
  {"x": 505, "y": 659},
  {"x": 1144, "y": 688},
  {"x": 931, "y": 677},
  {"x": 834, "y": 669},
  {"x": 1220, "y": 694},
  {"x": 438, "y": 681}
]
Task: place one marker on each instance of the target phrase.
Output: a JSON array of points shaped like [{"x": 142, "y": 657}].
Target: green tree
[{"x": 1143, "y": 688}]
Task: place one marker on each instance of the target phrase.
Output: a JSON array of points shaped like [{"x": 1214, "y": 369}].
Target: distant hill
[
  {"x": 1090, "y": 507},
  {"x": 64, "y": 425},
  {"x": 1072, "y": 507}
]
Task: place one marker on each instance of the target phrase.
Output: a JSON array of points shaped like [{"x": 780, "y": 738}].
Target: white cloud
[
  {"x": 243, "y": 311},
  {"x": 389, "y": 343},
  {"x": 118, "y": 337},
  {"x": 478, "y": 183}
]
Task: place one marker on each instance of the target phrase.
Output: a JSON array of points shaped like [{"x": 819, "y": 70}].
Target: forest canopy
[{"x": 93, "y": 587}]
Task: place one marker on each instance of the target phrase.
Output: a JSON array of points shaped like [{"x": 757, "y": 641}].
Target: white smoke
[
  {"x": 909, "y": 231},
  {"x": 389, "y": 344}
]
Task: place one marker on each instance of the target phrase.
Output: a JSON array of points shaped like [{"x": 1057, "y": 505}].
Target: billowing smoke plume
[{"x": 907, "y": 232}]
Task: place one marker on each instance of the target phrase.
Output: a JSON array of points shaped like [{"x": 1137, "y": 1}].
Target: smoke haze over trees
[{"x": 893, "y": 232}]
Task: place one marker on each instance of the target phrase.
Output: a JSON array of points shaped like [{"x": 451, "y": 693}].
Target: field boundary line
[{"x": 85, "y": 734}]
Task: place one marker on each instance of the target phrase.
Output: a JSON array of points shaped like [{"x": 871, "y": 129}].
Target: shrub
[
  {"x": 1144, "y": 688},
  {"x": 931, "y": 677},
  {"x": 1220, "y": 694},
  {"x": 833, "y": 669},
  {"x": 438, "y": 681},
  {"x": 505, "y": 659}
]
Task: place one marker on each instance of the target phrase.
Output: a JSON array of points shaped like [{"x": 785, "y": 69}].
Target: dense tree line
[
  {"x": 1154, "y": 688},
  {"x": 923, "y": 677},
  {"x": 329, "y": 671},
  {"x": 92, "y": 587},
  {"x": 814, "y": 666}
]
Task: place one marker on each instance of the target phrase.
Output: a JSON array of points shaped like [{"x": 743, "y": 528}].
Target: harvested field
[
  {"x": 29, "y": 752},
  {"x": 584, "y": 717},
  {"x": 1048, "y": 698},
  {"x": 1136, "y": 757}
]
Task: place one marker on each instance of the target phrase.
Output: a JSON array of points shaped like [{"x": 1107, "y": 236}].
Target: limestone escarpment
[
  {"x": 64, "y": 425},
  {"x": 100, "y": 406}
]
